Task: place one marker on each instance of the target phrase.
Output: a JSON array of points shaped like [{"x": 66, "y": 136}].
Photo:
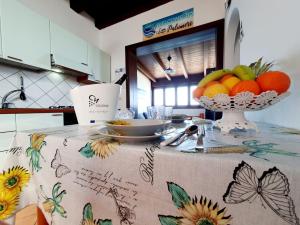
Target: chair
[
  {"x": 29, "y": 215},
  {"x": 145, "y": 115}
]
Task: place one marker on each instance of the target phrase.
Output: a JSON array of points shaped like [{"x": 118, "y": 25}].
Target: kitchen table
[{"x": 78, "y": 177}]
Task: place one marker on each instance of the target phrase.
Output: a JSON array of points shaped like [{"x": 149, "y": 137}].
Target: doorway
[{"x": 173, "y": 65}]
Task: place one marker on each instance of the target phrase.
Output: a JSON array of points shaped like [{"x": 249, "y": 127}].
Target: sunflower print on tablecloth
[
  {"x": 88, "y": 218},
  {"x": 102, "y": 148},
  {"x": 34, "y": 151},
  {"x": 8, "y": 204},
  {"x": 12, "y": 182},
  {"x": 194, "y": 211},
  {"x": 14, "y": 179},
  {"x": 53, "y": 204}
]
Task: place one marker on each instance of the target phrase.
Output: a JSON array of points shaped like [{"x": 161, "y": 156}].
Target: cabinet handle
[
  {"x": 85, "y": 64},
  {"x": 57, "y": 114},
  {"x": 14, "y": 58}
]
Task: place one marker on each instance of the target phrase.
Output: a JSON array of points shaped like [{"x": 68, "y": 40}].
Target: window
[
  {"x": 170, "y": 96},
  {"x": 182, "y": 96},
  {"x": 158, "y": 96},
  {"x": 178, "y": 97},
  {"x": 192, "y": 101}
]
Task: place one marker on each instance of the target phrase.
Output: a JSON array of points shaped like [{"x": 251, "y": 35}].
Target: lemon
[{"x": 215, "y": 89}]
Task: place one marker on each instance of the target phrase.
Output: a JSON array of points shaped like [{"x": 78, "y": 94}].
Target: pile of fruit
[{"x": 255, "y": 78}]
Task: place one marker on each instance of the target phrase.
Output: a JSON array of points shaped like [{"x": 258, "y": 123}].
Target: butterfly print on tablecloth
[
  {"x": 60, "y": 169},
  {"x": 272, "y": 188}
]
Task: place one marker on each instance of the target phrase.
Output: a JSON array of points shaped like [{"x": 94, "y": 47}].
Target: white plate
[
  {"x": 104, "y": 132},
  {"x": 139, "y": 127}
]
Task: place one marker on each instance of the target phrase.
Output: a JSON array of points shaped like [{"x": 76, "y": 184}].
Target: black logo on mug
[{"x": 93, "y": 100}]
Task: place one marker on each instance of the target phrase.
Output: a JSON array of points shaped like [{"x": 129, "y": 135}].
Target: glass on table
[
  {"x": 128, "y": 113},
  {"x": 168, "y": 113},
  {"x": 156, "y": 112}
]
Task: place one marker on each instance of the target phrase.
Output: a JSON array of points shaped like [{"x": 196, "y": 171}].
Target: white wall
[
  {"x": 271, "y": 29},
  {"x": 144, "y": 92},
  {"x": 116, "y": 37},
  {"x": 59, "y": 12}
]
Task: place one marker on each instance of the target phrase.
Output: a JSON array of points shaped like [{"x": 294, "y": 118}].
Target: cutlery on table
[
  {"x": 199, "y": 145},
  {"x": 180, "y": 137}
]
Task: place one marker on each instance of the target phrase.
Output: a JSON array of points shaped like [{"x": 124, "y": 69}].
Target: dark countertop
[{"x": 34, "y": 110}]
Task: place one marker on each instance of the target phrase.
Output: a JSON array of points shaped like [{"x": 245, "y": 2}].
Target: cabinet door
[
  {"x": 39, "y": 121},
  {"x": 1, "y": 55},
  {"x": 7, "y": 122},
  {"x": 94, "y": 66},
  {"x": 6, "y": 140},
  {"x": 99, "y": 64},
  {"x": 68, "y": 50},
  {"x": 105, "y": 66},
  {"x": 25, "y": 35}
]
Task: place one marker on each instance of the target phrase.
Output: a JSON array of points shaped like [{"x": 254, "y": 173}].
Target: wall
[
  {"x": 116, "y": 37},
  {"x": 144, "y": 92},
  {"x": 271, "y": 29},
  {"x": 42, "y": 89},
  {"x": 59, "y": 12}
]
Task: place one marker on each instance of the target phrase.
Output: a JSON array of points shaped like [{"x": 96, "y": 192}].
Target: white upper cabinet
[
  {"x": 0, "y": 33},
  {"x": 99, "y": 64},
  {"x": 68, "y": 50},
  {"x": 105, "y": 66},
  {"x": 25, "y": 35}
]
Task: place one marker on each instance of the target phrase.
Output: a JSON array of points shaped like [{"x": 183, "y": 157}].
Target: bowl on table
[
  {"x": 178, "y": 118},
  {"x": 137, "y": 127},
  {"x": 233, "y": 108}
]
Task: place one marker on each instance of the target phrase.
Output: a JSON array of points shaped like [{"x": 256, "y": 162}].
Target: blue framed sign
[{"x": 171, "y": 24}]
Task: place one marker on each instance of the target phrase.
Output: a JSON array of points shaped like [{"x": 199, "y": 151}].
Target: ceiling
[
  {"x": 107, "y": 12},
  {"x": 187, "y": 59}
]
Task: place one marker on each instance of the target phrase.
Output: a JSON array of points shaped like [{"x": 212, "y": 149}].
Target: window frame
[
  {"x": 131, "y": 55},
  {"x": 177, "y": 82}
]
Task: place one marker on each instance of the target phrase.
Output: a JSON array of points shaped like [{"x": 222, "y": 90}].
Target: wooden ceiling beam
[
  {"x": 145, "y": 71},
  {"x": 158, "y": 60},
  {"x": 181, "y": 62}
]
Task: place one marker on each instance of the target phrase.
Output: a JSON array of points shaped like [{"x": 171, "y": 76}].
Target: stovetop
[{"x": 61, "y": 107}]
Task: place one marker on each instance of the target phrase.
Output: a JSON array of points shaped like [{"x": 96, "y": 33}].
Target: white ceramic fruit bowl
[{"x": 233, "y": 107}]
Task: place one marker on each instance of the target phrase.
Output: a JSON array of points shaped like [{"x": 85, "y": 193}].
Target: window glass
[
  {"x": 182, "y": 96},
  {"x": 170, "y": 96},
  {"x": 144, "y": 92},
  {"x": 158, "y": 96},
  {"x": 192, "y": 101}
]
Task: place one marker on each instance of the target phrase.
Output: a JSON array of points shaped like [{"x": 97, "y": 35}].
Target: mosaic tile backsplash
[{"x": 42, "y": 89}]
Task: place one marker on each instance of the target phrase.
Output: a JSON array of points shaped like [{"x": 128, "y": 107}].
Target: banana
[
  {"x": 244, "y": 72},
  {"x": 216, "y": 75}
]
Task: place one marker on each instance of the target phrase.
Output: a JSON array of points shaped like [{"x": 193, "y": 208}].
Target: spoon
[{"x": 181, "y": 136}]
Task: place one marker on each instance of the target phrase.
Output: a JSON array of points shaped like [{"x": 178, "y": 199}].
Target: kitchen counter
[{"x": 35, "y": 110}]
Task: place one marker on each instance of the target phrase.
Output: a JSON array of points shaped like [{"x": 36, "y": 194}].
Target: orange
[
  {"x": 274, "y": 81},
  {"x": 198, "y": 92},
  {"x": 246, "y": 85},
  {"x": 214, "y": 89}
]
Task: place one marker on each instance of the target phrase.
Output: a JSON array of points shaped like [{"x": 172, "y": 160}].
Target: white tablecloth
[{"x": 78, "y": 177}]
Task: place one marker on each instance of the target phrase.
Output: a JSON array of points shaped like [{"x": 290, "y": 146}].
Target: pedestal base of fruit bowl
[
  {"x": 234, "y": 120},
  {"x": 233, "y": 107}
]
